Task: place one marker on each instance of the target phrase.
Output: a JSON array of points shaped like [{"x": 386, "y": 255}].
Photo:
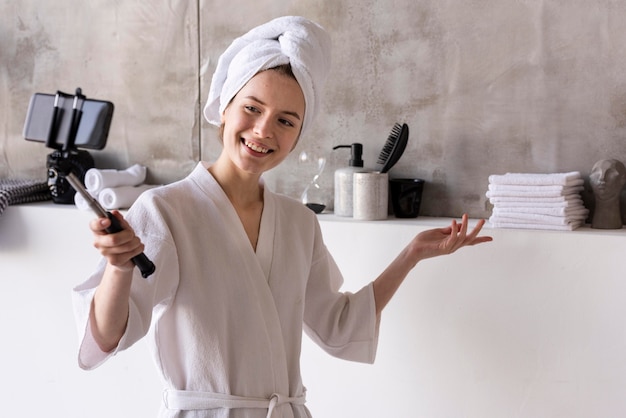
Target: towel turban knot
[{"x": 293, "y": 40}]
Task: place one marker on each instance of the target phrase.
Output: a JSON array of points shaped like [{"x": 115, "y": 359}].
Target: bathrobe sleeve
[
  {"x": 342, "y": 323},
  {"x": 149, "y": 297}
]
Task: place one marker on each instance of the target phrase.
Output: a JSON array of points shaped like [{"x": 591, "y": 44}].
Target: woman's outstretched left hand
[
  {"x": 441, "y": 241},
  {"x": 426, "y": 244}
]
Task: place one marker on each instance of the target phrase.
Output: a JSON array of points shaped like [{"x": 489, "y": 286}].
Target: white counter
[{"x": 531, "y": 325}]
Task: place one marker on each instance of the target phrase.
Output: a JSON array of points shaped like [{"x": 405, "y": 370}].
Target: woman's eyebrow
[{"x": 261, "y": 102}]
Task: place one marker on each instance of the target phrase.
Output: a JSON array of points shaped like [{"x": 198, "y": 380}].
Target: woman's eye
[
  {"x": 251, "y": 109},
  {"x": 285, "y": 122}
]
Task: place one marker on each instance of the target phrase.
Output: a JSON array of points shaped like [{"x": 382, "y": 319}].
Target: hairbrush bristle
[
  {"x": 393, "y": 148},
  {"x": 389, "y": 144}
]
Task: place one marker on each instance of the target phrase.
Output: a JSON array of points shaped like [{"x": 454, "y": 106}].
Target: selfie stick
[{"x": 141, "y": 261}]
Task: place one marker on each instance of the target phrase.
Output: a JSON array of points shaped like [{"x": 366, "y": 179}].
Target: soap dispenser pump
[{"x": 344, "y": 179}]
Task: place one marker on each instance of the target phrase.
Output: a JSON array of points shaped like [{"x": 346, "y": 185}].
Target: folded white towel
[
  {"x": 285, "y": 40},
  {"x": 537, "y": 192},
  {"x": 532, "y": 179},
  {"x": 569, "y": 227},
  {"x": 121, "y": 197},
  {"x": 574, "y": 198},
  {"x": 529, "y": 218},
  {"x": 573, "y": 211},
  {"x": 96, "y": 180},
  {"x": 577, "y": 203},
  {"x": 537, "y": 201},
  {"x": 574, "y": 187}
]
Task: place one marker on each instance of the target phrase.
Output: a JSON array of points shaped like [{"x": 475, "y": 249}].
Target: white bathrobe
[{"x": 224, "y": 322}]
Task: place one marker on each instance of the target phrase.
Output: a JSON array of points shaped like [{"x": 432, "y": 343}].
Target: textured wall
[
  {"x": 142, "y": 56},
  {"x": 486, "y": 86}
]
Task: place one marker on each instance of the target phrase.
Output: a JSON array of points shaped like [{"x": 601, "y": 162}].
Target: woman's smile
[
  {"x": 257, "y": 148},
  {"x": 262, "y": 123}
]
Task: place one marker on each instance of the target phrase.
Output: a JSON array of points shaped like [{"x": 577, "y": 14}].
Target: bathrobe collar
[{"x": 265, "y": 244}]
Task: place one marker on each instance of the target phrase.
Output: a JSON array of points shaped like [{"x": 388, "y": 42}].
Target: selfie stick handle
[{"x": 141, "y": 261}]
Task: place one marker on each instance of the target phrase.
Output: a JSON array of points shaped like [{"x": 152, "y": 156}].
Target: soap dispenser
[{"x": 344, "y": 180}]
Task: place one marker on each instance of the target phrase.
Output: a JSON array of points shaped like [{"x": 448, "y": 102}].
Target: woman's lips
[{"x": 256, "y": 147}]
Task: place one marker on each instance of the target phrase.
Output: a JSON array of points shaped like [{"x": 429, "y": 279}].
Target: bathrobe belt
[{"x": 192, "y": 400}]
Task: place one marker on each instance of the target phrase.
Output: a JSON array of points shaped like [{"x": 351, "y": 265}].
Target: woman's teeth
[{"x": 256, "y": 148}]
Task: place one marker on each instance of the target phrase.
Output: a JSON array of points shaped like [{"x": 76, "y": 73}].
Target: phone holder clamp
[{"x": 66, "y": 158}]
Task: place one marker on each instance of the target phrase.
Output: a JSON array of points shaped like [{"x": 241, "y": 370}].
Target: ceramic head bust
[{"x": 607, "y": 180}]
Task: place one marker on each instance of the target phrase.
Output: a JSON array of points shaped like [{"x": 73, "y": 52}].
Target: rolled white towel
[
  {"x": 96, "y": 180},
  {"x": 121, "y": 197},
  {"x": 532, "y": 179},
  {"x": 80, "y": 201}
]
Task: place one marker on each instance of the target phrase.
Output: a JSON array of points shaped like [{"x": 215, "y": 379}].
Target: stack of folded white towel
[
  {"x": 114, "y": 189},
  {"x": 537, "y": 201}
]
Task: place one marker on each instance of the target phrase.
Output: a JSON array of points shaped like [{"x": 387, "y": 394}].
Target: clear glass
[{"x": 313, "y": 196}]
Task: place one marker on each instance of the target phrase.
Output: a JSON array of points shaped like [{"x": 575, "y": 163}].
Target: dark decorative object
[{"x": 607, "y": 180}]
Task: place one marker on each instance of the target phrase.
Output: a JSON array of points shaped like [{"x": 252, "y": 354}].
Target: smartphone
[{"x": 93, "y": 129}]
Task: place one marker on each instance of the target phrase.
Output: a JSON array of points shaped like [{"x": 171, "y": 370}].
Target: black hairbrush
[{"x": 394, "y": 147}]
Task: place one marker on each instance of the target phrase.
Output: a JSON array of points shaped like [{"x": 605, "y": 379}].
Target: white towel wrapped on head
[
  {"x": 285, "y": 40},
  {"x": 96, "y": 179}
]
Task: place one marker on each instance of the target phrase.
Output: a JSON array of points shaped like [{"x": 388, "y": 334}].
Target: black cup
[{"x": 406, "y": 197}]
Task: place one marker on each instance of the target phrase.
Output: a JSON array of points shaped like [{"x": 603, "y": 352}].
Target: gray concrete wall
[{"x": 486, "y": 86}]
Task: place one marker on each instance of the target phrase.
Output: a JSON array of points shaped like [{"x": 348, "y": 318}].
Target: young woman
[{"x": 240, "y": 271}]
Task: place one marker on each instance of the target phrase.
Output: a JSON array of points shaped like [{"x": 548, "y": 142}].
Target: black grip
[{"x": 142, "y": 262}]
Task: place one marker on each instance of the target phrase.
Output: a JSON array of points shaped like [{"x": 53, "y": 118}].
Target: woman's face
[
  {"x": 262, "y": 123},
  {"x": 606, "y": 179}
]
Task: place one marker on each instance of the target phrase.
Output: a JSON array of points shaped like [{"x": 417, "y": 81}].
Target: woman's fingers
[{"x": 459, "y": 236}]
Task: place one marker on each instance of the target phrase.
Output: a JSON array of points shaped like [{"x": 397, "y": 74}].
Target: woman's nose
[{"x": 263, "y": 127}]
